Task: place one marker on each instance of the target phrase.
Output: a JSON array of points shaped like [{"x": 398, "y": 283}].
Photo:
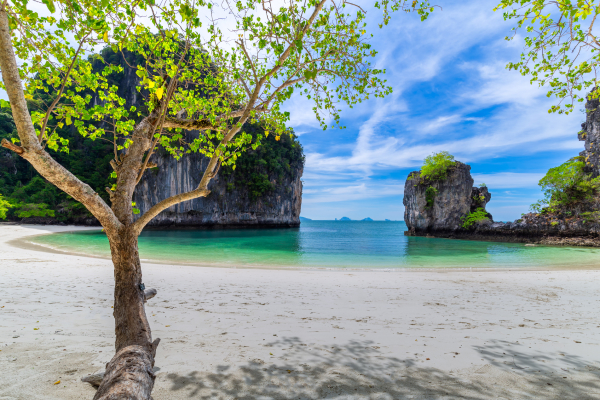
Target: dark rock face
[
  {"x": 590, "y": 134},
  {"x": 454, "y": 198},
  {"x": 543, "y": 229},
  {"x": 228, "y": 205}
]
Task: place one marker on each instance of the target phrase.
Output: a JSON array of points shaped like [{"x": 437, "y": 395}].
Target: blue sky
[{"x": 451, "y": 92}]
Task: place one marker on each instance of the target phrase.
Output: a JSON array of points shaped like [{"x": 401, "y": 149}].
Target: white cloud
[
  {"x": 440, "y": 122},
  {"x": 363, "y": 190},
  {"x": 510, "y": 180}
]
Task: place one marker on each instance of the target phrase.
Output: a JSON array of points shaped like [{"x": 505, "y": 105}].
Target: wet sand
[{"x": 288, "y": 334}]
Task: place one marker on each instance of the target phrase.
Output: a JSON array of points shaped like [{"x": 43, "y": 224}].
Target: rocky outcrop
[
  {"x": 590, "y": 134},
  {"x": 439, "y": 207},
  {"x": 541, "y": 229},
  {"x": 442, "y": 215}
]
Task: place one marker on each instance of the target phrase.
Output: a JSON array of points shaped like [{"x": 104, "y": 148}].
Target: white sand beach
[{"x": 297, "y": 334}]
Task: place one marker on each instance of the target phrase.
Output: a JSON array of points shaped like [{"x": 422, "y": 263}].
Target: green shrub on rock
[
  {"x": 430, "y": 193},
  {"x": 436, "y": 166},
  {"x": 478, "y": 215},
  {"x": 565, "y": 186},
  {"x": 4, "y": 206}
]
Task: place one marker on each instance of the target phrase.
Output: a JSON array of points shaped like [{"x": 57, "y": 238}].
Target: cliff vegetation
[
  {"x": 567, "y": 187},
  {"x": 28, "y": 195},
  {"x": 435, "y": 166}
]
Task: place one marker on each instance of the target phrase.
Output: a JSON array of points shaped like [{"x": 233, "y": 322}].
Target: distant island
[
  {"x": 388, "y": 220},
  {"x": 305, "y": 219},
  {"x": 348, "y": 219}
]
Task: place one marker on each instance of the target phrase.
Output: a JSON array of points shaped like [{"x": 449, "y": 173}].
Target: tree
[
  {"x": 202, "y": 66},
  {"x": 562, "y": 47}
]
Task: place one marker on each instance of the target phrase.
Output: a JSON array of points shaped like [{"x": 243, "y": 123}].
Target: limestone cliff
[
  {"x": 590, "y": 134},
  {"x": 264, "y": 191},
  {"x": 439, "y": 207},
  {"x": 455, "y": 198}
]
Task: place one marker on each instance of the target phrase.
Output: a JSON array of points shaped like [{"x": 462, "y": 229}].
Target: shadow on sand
[{"x": 358, "y": 370}]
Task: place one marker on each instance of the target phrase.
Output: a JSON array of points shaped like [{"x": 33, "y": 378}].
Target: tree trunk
[{"x": 129, "y": 374}]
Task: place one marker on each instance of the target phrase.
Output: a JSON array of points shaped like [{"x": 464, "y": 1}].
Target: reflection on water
[{"x": 327, "y": 244}]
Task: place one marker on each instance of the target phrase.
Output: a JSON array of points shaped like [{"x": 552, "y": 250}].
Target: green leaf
[{"x": 50, "y": 5}]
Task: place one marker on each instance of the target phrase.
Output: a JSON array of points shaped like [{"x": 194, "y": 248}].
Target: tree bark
[{"x": 129, "y": 374}]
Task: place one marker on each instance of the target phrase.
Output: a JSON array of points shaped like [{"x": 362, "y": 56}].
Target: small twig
[
  {"x": 61, "y": 90},
  {"x": 355, "y": 5}
]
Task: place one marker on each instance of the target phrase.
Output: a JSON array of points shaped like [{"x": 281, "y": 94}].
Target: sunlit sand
[{"x": 287, "y": 334}]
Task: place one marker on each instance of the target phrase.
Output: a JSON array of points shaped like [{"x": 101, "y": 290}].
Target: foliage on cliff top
[
  {"x": 566, "y": 185},
  {"x": 276, "y": 157},
  {"x": 478, "y": 215},
  {"x": 562, "y": 49},
  {"x": 435, "y": 166}
]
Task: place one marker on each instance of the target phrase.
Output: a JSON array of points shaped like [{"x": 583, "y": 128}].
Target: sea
[{"x": 326, "y": 245}]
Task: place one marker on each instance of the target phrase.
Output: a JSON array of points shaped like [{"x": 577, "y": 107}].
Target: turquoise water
[{"x": 327, "y": 244}]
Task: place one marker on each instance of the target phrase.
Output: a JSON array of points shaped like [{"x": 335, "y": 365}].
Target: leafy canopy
[
  {"x": 435, "y": 167},
  {"x": 566, "y": 185},
  {"x": 562, "y": 49},
  {"x": 204, "y": 65}
]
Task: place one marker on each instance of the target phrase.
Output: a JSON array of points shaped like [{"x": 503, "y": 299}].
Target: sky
[{"x": 452, "y": 92}]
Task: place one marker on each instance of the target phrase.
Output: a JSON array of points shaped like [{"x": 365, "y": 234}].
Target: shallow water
[{"x": 327, "y": 244}]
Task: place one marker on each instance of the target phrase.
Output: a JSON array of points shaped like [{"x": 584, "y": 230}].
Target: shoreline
[
  {"x": 25, "y": 243},
  {"x": 310, "y": 334}
]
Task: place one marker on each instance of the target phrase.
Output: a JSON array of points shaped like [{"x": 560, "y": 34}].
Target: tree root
[{"x": 128, "y": 375}]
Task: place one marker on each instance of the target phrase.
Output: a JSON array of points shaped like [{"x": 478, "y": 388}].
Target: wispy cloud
[
  {"x": 451, "y": 92},
  {"x": 510, "y": 180}
]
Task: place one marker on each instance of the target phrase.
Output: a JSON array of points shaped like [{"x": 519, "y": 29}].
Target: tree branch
[
  {"x": 166, "y": 203},
  {"x": 32, "y": 150},
  {"x": 198, "y": 124},
  {"x": 189, "y": 124},
  {"x": 60, "y": 92},
  {"x": 13, "y": 147}
]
